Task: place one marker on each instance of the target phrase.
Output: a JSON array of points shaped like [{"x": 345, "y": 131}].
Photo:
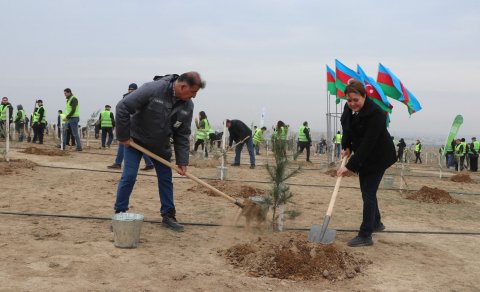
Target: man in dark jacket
[
  {"x": 150, "y": 116},
  {"x": 401, "y": 147},
  {"x": 365, "y": 134},
  {"x": 239, "y": 132}
]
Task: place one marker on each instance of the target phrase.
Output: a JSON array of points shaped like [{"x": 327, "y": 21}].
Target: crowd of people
[{"x": 158, "y": 115}]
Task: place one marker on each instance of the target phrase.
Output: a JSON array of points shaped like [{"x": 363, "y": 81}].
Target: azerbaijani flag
[
  {"x": 332, "y": 89},
  {"x": 393, "y": 87},
  {"x": 343, "y": 74},
  {"x": 374, "y": 91}
]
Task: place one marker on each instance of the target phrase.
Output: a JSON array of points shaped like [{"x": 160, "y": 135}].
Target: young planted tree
[{"x": 280, "y": 193}]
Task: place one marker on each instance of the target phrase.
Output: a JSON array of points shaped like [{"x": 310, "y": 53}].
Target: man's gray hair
[{"x": 192, "y": 79}]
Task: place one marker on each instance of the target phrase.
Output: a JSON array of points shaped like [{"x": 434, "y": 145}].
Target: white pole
[
  {"x": 224, "y": 153},
  {"x": 7, "y": 136},
  {"x": 61, "y": 134}
]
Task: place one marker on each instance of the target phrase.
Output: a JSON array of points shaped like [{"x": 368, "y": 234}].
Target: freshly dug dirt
[
  {"x": 462, "y": 177},
  {"x": 333, "y": 173},
  {"x": 253, "y": 212},
  {"x": 14, "y": 164},
  {"x": 48, "y": 152},
  {"x": 289, "y": 255},
  {"x": 432, "y": 195},
  {"x": 231, "y": 188}
]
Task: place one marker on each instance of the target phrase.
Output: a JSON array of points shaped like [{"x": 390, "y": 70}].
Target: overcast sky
[{"x": 253, "y": 55}]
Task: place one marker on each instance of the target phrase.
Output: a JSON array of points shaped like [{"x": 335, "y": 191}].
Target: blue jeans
[
  {"x": 120, "y": 152},
  {"x": 73, "y": 122},
  {"x": 450, "y": 160},
  {"x": 238, "y": 151},
  {"x": 106, "y": 131},
  {"x": 338, "y": 150},
  {"x": 371, "y": 214},
  {"x": 129, "y": 176}
]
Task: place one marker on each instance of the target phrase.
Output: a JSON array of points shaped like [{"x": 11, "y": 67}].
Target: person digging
[
  {"x": 365, "y": 134},
  {"x": 162, "y": 108}
]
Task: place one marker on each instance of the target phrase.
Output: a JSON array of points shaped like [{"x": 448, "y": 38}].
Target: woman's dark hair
[
  {"x": 280, "y": 124},
  {"x": 68, "y": 90},
  {"x": 355, "y": 86},
  {"x": 202, "y": 115}
]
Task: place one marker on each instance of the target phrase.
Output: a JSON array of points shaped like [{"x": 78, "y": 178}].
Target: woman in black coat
[{"x": 365, "y": 134}]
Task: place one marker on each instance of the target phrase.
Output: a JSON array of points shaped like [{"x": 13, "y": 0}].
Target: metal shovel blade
[{"x": 322, "y": 234}]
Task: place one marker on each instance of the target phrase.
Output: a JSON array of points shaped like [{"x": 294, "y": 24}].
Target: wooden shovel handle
[
  {"x": 335, "y": 190},
  {"x": 190, "y": 176}
]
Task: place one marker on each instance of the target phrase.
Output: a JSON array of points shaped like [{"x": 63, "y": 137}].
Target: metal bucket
[
  {"x": 222, "y": 172},
  {"x": 388, "y": 181},
  {"x": 126, "y": 229}
]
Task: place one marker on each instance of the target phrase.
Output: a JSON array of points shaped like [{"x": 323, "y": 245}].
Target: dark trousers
[
  {"x": 106, "y": 131},
  {"x": 201, "y": 142},
  {"x": 417, "y": 157},
  {"x": 70, "y": 137},
  {"x": 474, "y": 162},
  {"x": 400, "y": 155},
  {"x": 371, "y": 214},
  {"x": 303, "y": 145},
  {"x": 38, "y": 132}
]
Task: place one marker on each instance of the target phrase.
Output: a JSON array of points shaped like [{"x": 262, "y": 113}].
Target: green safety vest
[
  {"x": 449, "y": 147},
  {"x": 338, "y": 138},
  {"x": 105, "y": 120},
  {"x": 258, "y": 136},
  {"x": 203, "y": 133},
  {"x": 36, "y": 116},
  {"x": 68, "y": 108},
  {"x": 417, "y": 147},
  {"x": 476, "y": 146},
  {"x": 3, "y": 112},
  {"x": 301, "y": 134},
  {"x": 62, "y": 118},
  {"x": 282, "y": 134},
  {"x": 22, "y": 118},
  {"x": 457, "y": 149}
]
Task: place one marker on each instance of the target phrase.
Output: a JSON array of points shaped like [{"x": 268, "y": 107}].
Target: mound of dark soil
[
  {"x": 432, "y": 195},
  {"x": 462, "y": 177},
  {"x": 231, "y": 188},
  {"x": 14, "y": 164},
  {"x": 48, "y": 152},
  {"x": 288, "y": 255}
]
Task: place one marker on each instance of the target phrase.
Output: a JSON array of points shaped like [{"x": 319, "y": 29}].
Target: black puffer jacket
[
  {"x": 367, "y": 137},
  {"x": 151, "y": 115},
  {"x": 238, "y": 131}
]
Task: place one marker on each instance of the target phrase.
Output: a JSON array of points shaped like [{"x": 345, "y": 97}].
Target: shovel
[
  {"x": 190, "y": 176},
  {"x": 322, "y": 234}
]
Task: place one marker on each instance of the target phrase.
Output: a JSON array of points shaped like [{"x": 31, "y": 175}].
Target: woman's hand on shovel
[
  {"x": 342, "y": 171},
  {"x": 182, "y": 169}
]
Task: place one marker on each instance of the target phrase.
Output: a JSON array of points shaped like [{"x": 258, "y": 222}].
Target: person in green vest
[
  {"x": 474, "y": 149},
  {"x": 203, "y": 128},
  {"x": 304, "y": 139},
  {"x": 19, "y": 121},
  {"x": 72, "y": 112},
  {"x": 39, "y": 122},
  {"x": 418, "y": 151},
  {"x": 280, "y": 136},
  {"x": 107, "y": 124},
  {"x": 6, "y": 112},
  {"x": 460, "y": 151},
  {"x": 338, "y": 144},
  {"x": 258, "y": 139},
  {"x": 60, "y": 122}
]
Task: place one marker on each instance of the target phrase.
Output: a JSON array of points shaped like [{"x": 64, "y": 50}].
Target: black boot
[{"x": 171, "y": 222}]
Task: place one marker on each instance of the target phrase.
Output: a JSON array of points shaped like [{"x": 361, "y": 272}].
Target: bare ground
[{"x": 58, "y": 254}]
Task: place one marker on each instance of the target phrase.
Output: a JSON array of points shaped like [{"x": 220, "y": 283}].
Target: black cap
[{"x": 133, "y": 86}]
